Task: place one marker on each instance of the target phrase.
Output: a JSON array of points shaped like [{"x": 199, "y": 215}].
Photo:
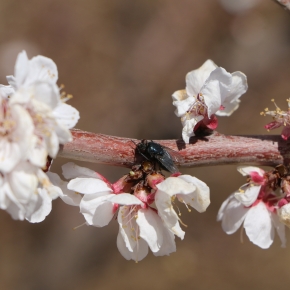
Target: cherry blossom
[
  {"x": 140, "y": 226},
  {"x": 141, "y": 200},
  {"x": 209, "y": 90},
  {"x": 33, "y": 86},
  {"x": 254, "y": 206}
]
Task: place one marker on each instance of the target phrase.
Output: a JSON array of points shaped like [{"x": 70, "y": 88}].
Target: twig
[{"x": 216, "y": 149}]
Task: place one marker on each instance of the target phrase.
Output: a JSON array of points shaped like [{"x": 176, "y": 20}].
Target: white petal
[
  {"x": 139, "y": 252},
  {"x": 167, "y": 213},
  {"x": 239, "y": 85},
  {"x": 37, "y": 153},
  {"x": 6, "y": 91},
  {"x": 71, "y": 170},
  {"x": 249, "y": 195},
  {"x": 125, "y": 199},
  {"x": 21, "y": 68},
  {"x": 151, "y": 228},
  {"x": 232, "y": 213},
  {"x": 174, "y": 185},
  {"x": 212, "y": 96},
  {"x": 88, "y": 185},
  {"x": 196, "y": 78},
  {"x": 68, "y": 196},
  {"x": 247, "y": 170},
  {"x": 258, "y": 226},
  {"x": 23, "y": 181},
  {"x": 64, "y": 135},
  {"x": 66, "y": 115},
  {"x": 187, "y": 130},
  {"x": 47, "y": 93},
  {"x": 12, "y": 82},
  {"x": 168, "y": 246},
  {"x": 41, "y": 208},
  {"x": 96, "y": 209},
  {"x": 121, "y": 245},
  {"x": 199, "y": 199},
  {"x": 10, "y": 155},
  {"x": 42, "y": 68},
  {"x": 182, "y": 107},
  {"x": 52, "y": 143},
  {"x": 225, "y": 80}
]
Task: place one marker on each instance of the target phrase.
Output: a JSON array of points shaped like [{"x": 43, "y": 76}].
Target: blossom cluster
[
  {"x": 34, "y": 121},
  {"x": 261, "y": 205},
  {"x": 143, "y": 202}
]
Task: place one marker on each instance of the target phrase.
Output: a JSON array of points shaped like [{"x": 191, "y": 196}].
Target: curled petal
[
  {"x": 71, "y": 170},
  {"x": 167, "y": 213},
  {"x": 96, "y": 209},
  {"x": 237, "y": 88},
  {"x": 196, "y": 78},
  {"x": 232, "y": 214},
  {"x": 248, "y": 195},
  {"x": 66, "y": 115},
  {"x": 248, "y": 170},
  {"x": 139, "y": 252},
  {"x": 88, "y": 185},
  {"x": 38, "y": 209},
  {"x": 68, "y": 196},
  {"x": 212, "y": 96},
  {"x": 199, "y": 199}
]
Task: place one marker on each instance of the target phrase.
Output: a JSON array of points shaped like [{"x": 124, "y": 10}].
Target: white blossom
[
  {"x": 209, "y": 90},
  {"x": 140, "y": 226},
  {"x": 258, "y": 221},
  {"x": 253, "y": 205},
  {"x": 33, "y": 86}
]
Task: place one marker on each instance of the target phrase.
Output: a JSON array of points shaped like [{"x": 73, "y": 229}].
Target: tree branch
[{"x": 216, "y": 149}]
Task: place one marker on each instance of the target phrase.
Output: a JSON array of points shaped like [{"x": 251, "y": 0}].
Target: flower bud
[
  {"x": 141, "y": 192},
  {"x": 153, "y": 179}
]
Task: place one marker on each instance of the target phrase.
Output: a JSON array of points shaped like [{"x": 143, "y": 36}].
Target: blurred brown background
[{"x": 122, "y": 60}]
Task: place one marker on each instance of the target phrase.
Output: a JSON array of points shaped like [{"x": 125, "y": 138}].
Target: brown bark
[{"x": 216, "y": 149}]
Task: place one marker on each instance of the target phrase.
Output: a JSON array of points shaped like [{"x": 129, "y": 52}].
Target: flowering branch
[{"x": 217, "y": 149}]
